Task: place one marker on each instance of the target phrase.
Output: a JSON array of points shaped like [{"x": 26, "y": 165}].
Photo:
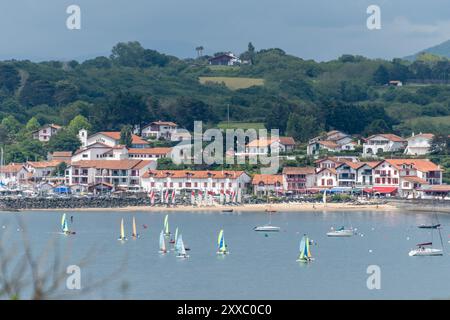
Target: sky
[{"x": 311, "y": 29}]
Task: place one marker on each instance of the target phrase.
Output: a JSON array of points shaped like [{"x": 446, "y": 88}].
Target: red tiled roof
[
  {"x": 112, "y": 164},
  {"x": 268, "y": 179},
  {"x": 116, "y": 136},
  {"x": 151, "y": 151},
  {"x": 44, "y": 164},
  {"x": 200, "y": 174},
  {"x": 415, "y": 179},
  {"x": 287, "y": 141},
  {"x": 388, "y": 136},
  {"x": 423, "y": 165},
  {"x": 12, "y": 168},
  {"x": 299, "y": 170},
  {"x": 62, "y": 154}
]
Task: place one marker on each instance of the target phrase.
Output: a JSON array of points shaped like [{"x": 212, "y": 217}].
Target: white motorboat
[
  {"x": 424, "y": 250},
  {"x": 342, "y": 232},
  {"x": 267, "y": 228}
]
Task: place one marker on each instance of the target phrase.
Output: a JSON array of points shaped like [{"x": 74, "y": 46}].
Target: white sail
[{"x": 162, "y": 242}]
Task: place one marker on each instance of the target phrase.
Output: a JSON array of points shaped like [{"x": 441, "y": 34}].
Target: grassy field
[
  {"x": 234, "y": 83},
  {"x": 241, "y": 125},
  {"x": 223, "y": 68}
]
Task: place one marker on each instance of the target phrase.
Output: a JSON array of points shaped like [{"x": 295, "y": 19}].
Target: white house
[
  {"x": 46, "y": 132},
  {"x": 380, "y": 143},
  {"x": 326, "y": 178},
  {"x": 266, "y": 146},
  {"x": 159, "y": 130},
  {"x": 217, "y": 182},
  {"x": 332, "y": 141},
  {"x": 226, "y": 59},
  {"x": 124, "y": 174},
  {"x": 299, "y": 179},
  {"x": 109, "y": 138},
  {"x": 42, "y": 169},
  {"x": 13, "y": 173},
  {"x": 265, "y": 184},
  {"x": 419, "y": 144}
]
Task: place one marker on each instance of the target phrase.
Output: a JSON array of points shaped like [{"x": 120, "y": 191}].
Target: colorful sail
[
  {"x": 179, "y": 244},
  {"x": 221, "y": 243},
  {"x": 134, "y": 228},
  {"x": 64, "y": 226},
  {"x": 166, "y": 225},
  {"x": 305, "y": 253},
  {"x": 162, "y": 242},
  {"x": 122, "y": 230}
]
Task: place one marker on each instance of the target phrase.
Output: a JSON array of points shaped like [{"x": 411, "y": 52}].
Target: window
[{"x": 395, "y": 181}]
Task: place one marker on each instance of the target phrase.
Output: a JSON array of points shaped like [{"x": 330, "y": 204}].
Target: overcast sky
[{"x": 312, "y": 29}]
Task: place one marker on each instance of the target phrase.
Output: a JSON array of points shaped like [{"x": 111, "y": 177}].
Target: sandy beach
[{"x": 279, "y": 207}]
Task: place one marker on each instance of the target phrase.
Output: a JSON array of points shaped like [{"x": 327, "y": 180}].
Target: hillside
[
  {"x": 300, "y": 97},
  {"x": 442, "y": 50}
]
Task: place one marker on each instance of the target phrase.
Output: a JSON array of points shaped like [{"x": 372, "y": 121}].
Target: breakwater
[{"x": 12, "y": 204}]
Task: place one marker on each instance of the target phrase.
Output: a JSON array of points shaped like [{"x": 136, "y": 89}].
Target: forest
[{"x": 302, "y": 98}]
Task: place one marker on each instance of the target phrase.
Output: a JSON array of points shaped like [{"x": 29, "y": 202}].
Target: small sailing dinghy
[
  {"x": 122, "y": 232},
  {"x": 65, "y": 226},
  {"x": 341, "y": 232},
  {"x": 423, "y": 249},
  {"x": 134, "y": 234},
  {"x": 166, "y": 226},
  {"x": 268, "y": 227},
  {"x": 174, "y": 240},
  {"x": 180, "y": 248},
  {"x": 305, "y": 252},
  {"x": 222, "y": 247},
  {"x": 162, "y": 243}
]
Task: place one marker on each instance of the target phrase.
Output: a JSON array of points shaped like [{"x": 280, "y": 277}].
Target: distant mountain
[{"x": 442, "y": 50}]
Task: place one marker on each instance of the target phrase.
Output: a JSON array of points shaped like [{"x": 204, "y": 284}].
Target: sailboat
[
  {"x": 341, "y": 232},
  {"x": 65, "y": 226},
  {"x": 162, "y": 243},
  {"x": 174, "y": 240},
  {"x": 305, "y": 252},
  {"x": 166, "y": 226},
  {"x": 423, "y": 249},
  {"x": 134, "y": 234},
  {"x": 181, "y": 250},
  {"x": 122, "y": 232},
  {"x": 268, "y": 227},
  {"x": 222, "y": 247}
]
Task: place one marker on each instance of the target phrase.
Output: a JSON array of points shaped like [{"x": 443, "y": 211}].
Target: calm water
[{"x": 258, "y": 267}]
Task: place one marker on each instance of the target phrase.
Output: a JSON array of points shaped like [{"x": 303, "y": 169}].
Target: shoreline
[{"x": 278, "y": 207}]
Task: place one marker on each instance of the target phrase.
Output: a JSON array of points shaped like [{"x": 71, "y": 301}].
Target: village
[{"x": 104, "y": 166}]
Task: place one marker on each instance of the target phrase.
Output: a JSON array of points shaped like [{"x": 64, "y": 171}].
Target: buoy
[{"x": 370, "y": 250}]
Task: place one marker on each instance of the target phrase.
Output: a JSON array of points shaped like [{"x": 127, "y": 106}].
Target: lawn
[
  {"x": 234, "y": 83},
  {"x": 241, "y": 125}
]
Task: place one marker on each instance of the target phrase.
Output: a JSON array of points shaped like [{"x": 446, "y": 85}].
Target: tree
[
  {"x": 381, "y": 76},
  {"x": 125, "y": 108},
  {"x": 126, "y": 136},
  {"x": 65, "y": 92},
  {"x": 440, "y": 144},
  {"x": 377, "y": 126},
  {"x": 303, "y": 127},
  {"x": 9, "y": 78},
  {"x": 64, "y": 140},
  {"x": 37, "y": 92},
  {"x": 32, "y": 125},
  {"x": 277, "y": 118},
  {"x": 78, "y": 123},
  {"x": 60, "y": 169}
]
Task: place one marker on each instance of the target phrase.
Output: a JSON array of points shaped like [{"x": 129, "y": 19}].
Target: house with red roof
[
  {"x": 13, "y": 173},
  {"x": 111, "y": 139},
  {"x": 124, "y": 174},
  {"x": 268, "y": 145},
  {"x": 299, "y": 179},
  {"x": 215, "y": 182},
  {"x": 266, "y": 184},
  {"x": 46, "y": 132},
  {"x": 332, "y": 141},
  {"x": 159, "y": 130},
  {"x": 385, "y": 142}
]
